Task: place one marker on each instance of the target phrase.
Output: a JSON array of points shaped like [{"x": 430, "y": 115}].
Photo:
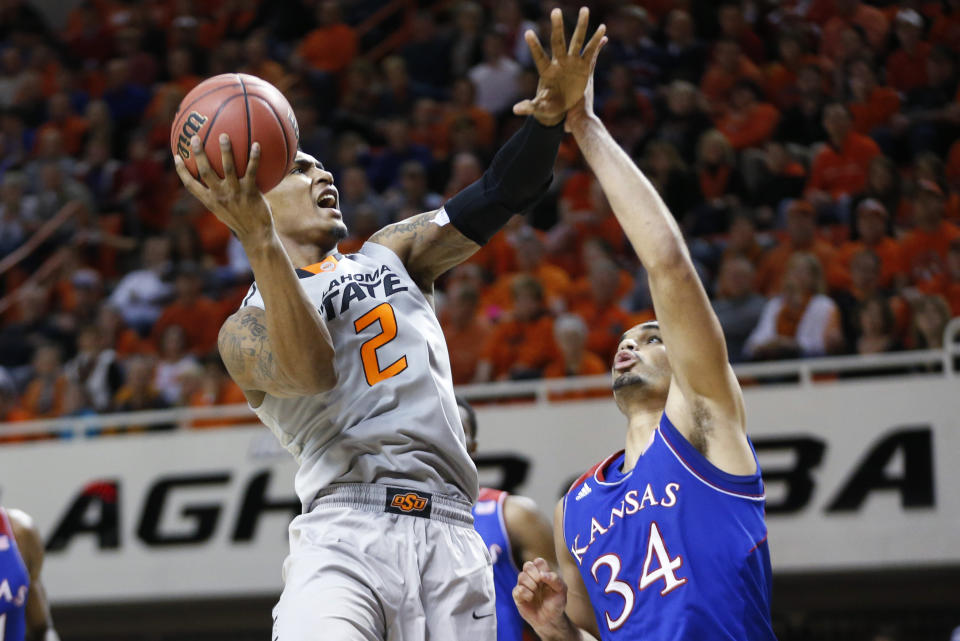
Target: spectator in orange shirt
[
  {"x": 853, "y": 13},
  {"x": 748, "y": 122},
  {"x": 522, "y": 345},
  {"x": 465, "y": 330},
  {"x": 61, "y": 118},
  {"x": 529, "y": 260},
  {"x": 872, "y": 106},
  {"x": 907, "y": 65},
  {"x": 199, "y": 316},
  {"x": 573, "y": 358},
  {"x": 331, "y": 46},
  {"x": 925, "y": 247},
  {"x": 872, "y": 223},
  {"x": 780, "y": 76},
  {"x": 840, "y": 169},
  {"x": 801, "y": 237},
  {"x": 600, "y": 308},
  {"x": 138, "y": 392},
  {"x": 212, "y": 386},
  {"x": 729, "y": 67},
  {"x": 463, "y": 104},
  {"x": 44, "y": 395},
  {"x": 801, "y": 320}
]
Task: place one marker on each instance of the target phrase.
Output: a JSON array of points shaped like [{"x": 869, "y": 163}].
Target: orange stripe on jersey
[{"x": 328, "y": 264}]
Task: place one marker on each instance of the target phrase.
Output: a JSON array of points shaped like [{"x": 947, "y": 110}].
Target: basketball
[{"x": 247, "y": 109}]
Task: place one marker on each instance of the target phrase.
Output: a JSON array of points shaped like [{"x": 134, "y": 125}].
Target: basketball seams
[
  {"x": 286, "y": 145},
  {"x": 246, "y": 107},
  {"x": 210, "y": 124}
]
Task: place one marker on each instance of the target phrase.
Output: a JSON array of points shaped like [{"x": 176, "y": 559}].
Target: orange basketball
[{"x": 247, "y": 109}]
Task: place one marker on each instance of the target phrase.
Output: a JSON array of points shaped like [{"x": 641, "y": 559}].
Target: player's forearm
[
  {"x": 642, "y": 214},
  {"x": 301, "y": 344}
]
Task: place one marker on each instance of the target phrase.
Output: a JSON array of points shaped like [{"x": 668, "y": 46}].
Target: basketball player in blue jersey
[
  {"x": 513, "y": 530},
  {"x": 24, "y": 613},
  {"x": 343, "y": 358},
  {"x": 664, "y": 540}
]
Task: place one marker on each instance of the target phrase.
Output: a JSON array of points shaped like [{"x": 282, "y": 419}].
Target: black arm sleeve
[{"x": 517, "y": 178}]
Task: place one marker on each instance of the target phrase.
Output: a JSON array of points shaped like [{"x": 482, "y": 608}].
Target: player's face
[
  {"x": 305, "y": 203},
  {"x": 641, "y": 361}
]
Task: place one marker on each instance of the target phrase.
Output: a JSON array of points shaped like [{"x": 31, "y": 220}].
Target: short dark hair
[{"x": 471, "y": 414}]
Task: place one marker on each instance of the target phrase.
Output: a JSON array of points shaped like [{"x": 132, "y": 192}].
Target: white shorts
[{"x": 361, "y": 569}]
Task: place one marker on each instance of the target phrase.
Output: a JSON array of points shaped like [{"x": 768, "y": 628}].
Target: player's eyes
[
  {"x": 297, "y": 170},
  {"x": 654, "y": 339}
]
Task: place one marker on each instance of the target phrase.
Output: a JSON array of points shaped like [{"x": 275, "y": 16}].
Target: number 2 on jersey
[
  {"x": 368, "y": 351},
  {"x": 665, "y": 571}
]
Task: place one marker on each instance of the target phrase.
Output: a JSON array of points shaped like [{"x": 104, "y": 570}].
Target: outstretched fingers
[
  {"x": 592, "y": 49},
  {"x": 204, "y": 170},
  {"x": 540, "y": 57},
  {"x": 558, "y": 42},
  {"x": 579, "y": 33}
]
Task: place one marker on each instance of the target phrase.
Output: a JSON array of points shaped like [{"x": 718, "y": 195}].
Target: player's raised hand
[
  {"x": 564, "y": 74},
  {"x": 541, "y": 596},
  {"x": 236, "y": 202}
]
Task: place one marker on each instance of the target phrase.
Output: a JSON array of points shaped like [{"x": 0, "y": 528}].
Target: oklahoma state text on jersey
[{"x": 673, "y": 550}]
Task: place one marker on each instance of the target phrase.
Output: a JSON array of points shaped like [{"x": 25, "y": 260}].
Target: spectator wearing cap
[
  {"x": 465, "y": 329},
  {"x": 907, "y": 64},
  {"x": 522, "y": 345},
  {"x": 801, "y": 236},
  {"x": 737, "y": 305},
  {"x": 872, "y": 106},
  {"x": 748, "y": 122},
  {"x": 199, "y": 316},
  {"x": 573, "y": 358},
  {"x": 872, "y": 221},
  {"x": 729, "y": 67},
  {"x": 840, "y": 169},
  {"x": 497, "y": 78},
  {"x": 849, "y": 13},
  {"x": 924, "y": 248},
  {"x": 801, "y": 320}
]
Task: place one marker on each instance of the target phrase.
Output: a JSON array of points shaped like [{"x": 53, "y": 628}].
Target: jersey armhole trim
[{"x": 744, "y": 487}]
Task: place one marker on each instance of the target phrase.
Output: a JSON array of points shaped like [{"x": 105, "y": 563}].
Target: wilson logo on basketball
[
  {"x": 409, "y": 502},
  {"x": 191, "y": 127}
]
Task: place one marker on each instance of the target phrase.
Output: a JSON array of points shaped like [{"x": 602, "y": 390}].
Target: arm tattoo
[
  {"x": 412, "y": 226},
  {"x": 245, "y": 346}
]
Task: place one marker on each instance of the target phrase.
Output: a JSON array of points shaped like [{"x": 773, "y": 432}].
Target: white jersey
[{"x": 392, "y": 418}]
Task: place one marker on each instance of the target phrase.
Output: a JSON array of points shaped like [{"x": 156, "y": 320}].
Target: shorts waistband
[{"x": 371, "y": 497}]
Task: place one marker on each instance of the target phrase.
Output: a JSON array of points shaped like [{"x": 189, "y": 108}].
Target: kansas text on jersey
[
  {"x": 673, "y": 550},
  {"x": 392, "y": 418}
]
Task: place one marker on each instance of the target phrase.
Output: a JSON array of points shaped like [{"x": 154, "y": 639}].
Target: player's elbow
[
  {"x": 669, "y": 260},
  {"x": 318, "y": 381}
]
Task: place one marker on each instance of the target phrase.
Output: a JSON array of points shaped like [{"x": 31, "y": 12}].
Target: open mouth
[{"x": 327, "y": 198}]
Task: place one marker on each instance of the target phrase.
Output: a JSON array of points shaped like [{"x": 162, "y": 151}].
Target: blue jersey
[
  {"x": 14, "y": 585},
  {"x": 488, "y": 521},
  {"x": 673, "y": 550}
]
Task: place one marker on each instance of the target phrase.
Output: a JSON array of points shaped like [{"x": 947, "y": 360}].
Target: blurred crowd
[{"x": 806, "y": 148}]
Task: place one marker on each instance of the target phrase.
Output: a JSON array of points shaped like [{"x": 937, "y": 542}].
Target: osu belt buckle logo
[{"x": 404, "y": 501}]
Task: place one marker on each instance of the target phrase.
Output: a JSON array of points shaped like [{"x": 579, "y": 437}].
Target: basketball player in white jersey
[
  {"x": 24, "y": 612},
  {"x": 342, "y": 357}
]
